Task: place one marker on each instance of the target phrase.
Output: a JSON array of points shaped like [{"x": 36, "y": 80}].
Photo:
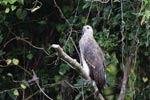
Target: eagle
[{"x": 92, "y": 57}]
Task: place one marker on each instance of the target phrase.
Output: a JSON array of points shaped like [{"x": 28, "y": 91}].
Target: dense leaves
[{"x": 28, "y": 28}]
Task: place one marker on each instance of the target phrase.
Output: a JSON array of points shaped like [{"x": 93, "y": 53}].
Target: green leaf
[
  {"x": 60, "y": 27},
  {"x": 23, "y": 86},
  {"x": 12, "y": 1},
  {"x": 42, "y": 22},
  {"x": 59, "y": 97},
  {"x": 7, "y": 10},
  {"x": 13, "y": 7},
  {"x": 8, "y": 61},
  {"x": 63, "y": 69},
  {"x": 112, "y": 69},
  {"x": 15, "y": 61},
  {"x": 21, "y": 1},
  {"x": 145, "y": 79},
  {"x": 25, "y": 83},
  {"x": 15, "y": 92},
  {"x": 78, "y": 96},
  {"x": 21, "y": 14},
  {"x": 86, "y": 5},
  {"x": 2, "y": 53},
  {"x": 115, "y": 58},
  {"x": 57, "y": 78},
  {"x": 9, "y": 74},
  {"x": 69, "y": 48},
  {"x": 83, "y": 19},
  {"x": 30, "y": 56}
]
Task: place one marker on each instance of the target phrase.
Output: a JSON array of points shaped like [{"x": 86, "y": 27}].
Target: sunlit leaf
[
  {"x": 23, "y": 86},
  {"x": 143, "y": 19},
  {"x": 9, "y": 74},
  {"x": 15, "y": 61},
  {"x": 35, "y": 9},
  {"x": 7, "y": 10},
  {"x": 12, "y": 1},
  {"x": 112, "y": 69},
  {"x": 145, "y": 79},
  {"x": 26, "y": 83},
  {"x": 8, "y": 61},
  {"x": 15, "y": 92},
  {"x": 13, "y": 7}
]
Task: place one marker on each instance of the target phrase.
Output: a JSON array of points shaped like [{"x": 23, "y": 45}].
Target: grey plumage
[{"x": 92, "y": 57}]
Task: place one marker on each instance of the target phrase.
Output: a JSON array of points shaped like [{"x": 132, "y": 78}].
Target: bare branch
[
  {"x": 24, "y": 40},
  {"x": 71, "y": 61},
  {"x": 62, "y": 14},
  {"x": 36, "y": 79},
  {"x": 127, "y": 70}
]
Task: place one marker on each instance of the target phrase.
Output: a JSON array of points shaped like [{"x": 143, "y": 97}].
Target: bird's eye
[{"x": 87, "y": 27}]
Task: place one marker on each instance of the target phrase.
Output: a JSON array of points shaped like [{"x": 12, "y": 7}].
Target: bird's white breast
[{"x": 85, "y": 66}]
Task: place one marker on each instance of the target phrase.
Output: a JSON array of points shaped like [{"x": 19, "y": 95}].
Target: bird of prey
[{"x": 92, "y": 57}]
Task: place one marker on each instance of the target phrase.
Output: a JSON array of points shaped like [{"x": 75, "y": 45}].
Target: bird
[{"x": 92, "y": 58}]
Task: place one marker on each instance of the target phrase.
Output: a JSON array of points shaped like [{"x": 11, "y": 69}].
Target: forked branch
[{"x": 70, "y": 61}]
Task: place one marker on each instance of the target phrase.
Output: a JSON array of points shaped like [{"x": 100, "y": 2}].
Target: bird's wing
[{"x": 94, "y": 58}]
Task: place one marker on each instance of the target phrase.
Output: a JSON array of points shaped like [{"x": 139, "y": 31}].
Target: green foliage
[
  {"x": 21, "y": 14},
  {"x": 29, "y": 27},
  {"x": 63, "y": 69}
]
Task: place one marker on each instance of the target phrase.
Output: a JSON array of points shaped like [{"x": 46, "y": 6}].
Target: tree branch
[
  {"x": 127, "y": 70},
  {"x": 75, "y": 65},
  {"x": 71, "y": 61}
]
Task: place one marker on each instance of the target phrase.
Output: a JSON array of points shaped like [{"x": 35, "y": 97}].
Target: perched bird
[{"x": 92, "y": 57}]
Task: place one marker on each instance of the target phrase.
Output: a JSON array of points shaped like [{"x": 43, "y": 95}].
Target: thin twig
[
  {"x": 75, "y": 46},
  {"x": 89, "y": 13},
  {"x": 70, "y": 33},
  {"x": 29, "y": 97},
  {"x": 62, "y": 15},
  {"x": 35, "y": 78},
  {"x": 24, "y": 69},
  {"x": 22, "y": 39},
  {"x": 4, "y": 91}
]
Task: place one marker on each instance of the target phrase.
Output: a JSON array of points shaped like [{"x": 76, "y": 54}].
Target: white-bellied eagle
[{"x": 92, "y": 57}]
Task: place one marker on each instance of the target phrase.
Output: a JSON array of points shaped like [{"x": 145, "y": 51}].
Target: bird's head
[{"x": 87, "y": 29}]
